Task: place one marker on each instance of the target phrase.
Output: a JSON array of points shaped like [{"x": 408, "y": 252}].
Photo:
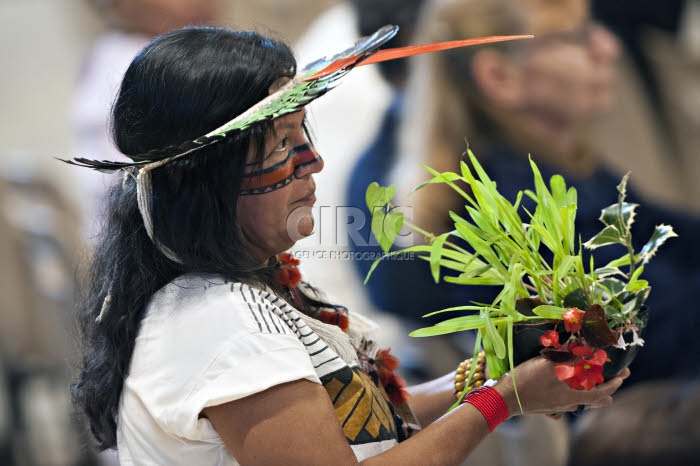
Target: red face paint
[{"x": 280, "y": 174}]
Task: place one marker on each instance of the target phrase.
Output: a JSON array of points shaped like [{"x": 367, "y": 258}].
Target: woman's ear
[{"x": 497, "y": 78}]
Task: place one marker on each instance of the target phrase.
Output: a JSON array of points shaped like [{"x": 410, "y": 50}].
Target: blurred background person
[
  {"x": 649, "y": 424},
  {"x": 510, "y": 100},
  {"x": 369, "y": 97},
  {"x": 35, "y": 105},
  {"x": 131, "y": 24},
  {"x": 656, "y": 124}
]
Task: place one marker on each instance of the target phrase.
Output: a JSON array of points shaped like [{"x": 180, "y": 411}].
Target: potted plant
[{"x": 587, "y": 317}]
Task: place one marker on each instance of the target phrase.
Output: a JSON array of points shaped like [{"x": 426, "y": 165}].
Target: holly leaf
[
  {"x": 608, "y": 235},
  {"x": 620, "y": 216},
  {"x": 661, "y": 234}
]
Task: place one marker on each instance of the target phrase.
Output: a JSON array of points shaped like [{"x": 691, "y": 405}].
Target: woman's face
[
  {"x": 274, "y": 208},
  {"x": 568, "y": 74}
]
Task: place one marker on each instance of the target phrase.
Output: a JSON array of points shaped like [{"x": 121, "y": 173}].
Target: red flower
[
  {"x": 550, "y": 338},
  {"x": 579, "y": 349},
  {"x": 586, "y": 373},
  {"x": 599, "y": 358},
  {"x": 573, "y": 319}
]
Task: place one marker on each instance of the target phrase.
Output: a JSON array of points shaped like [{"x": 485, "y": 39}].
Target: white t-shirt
[{"x": 205, "y": 341}]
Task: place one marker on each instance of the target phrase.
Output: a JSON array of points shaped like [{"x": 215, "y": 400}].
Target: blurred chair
[{"x": 39, "y": 242}]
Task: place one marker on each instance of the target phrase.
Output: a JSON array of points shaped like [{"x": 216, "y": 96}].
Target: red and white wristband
[{"x": 490, "y": 404}]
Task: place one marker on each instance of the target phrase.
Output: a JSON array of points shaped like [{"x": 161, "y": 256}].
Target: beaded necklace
[{"x": 379, "y": 364}]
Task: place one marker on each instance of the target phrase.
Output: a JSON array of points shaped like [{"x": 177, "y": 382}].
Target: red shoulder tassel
[
  {"x": 334, "y": 317},
  {"x": 385, "y": 361}
]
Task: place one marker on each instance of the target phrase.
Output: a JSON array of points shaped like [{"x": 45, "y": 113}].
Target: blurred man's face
[{"x": 568, "y": 68}]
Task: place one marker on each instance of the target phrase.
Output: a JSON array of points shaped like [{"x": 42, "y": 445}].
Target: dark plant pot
[
  {"x": 526, "y": 339},
  {"x": 619, "y": 358},
  {"x": 526, "y": 344}
]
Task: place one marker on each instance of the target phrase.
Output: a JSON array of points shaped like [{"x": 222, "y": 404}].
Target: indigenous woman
[{"x": 201, "y": 344}]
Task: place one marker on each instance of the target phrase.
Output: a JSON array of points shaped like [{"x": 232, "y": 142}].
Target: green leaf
[
  {"x": 612, "y": 285},
  {"x": 566, "y": 265},
  {"x": 609, "y": 235},
  {"x": 558, "y": 186},
  {"x": 550, "y": 312},
  {"x": 576, "y": 298},
  {"x": 377, "y": 225},
  {"x": 499, "y": 346},
  {"x": 475, "y": 321},
  {"x": 608, "y": 271},
  {"x": 391, "y": 226},
  {"x": 456, "y": 325},
  {"x": 436, "y": 254},
  {"x": 622, "y": 187},
  {"x": 378, "y": 196},
  {"x": 464, "y": 279},
  {"x": 481, "y": 248},
  {"x": 495, "y": 364},
  {"x": 629, "y": 307},
  {"x": 620, "y": 216},
  {"x": 636, "y": 274},
  {"x": 447, "y": 177},
  {"x": 637, "y": 285},
  {"x": 624, "y": 260},
  {"x": 458, "y": 308}
]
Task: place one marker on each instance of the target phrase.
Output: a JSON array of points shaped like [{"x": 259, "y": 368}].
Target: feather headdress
[{"x": 313, "y": 81}]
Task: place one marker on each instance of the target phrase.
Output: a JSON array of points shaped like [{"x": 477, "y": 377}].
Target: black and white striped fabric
[{"x": 205, "y": 341}]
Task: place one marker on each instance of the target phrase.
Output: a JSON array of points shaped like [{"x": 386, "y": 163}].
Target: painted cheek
[{"x": 300, "y": 161}]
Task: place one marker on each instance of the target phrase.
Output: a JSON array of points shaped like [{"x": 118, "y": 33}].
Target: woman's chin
[
  {"x": 300, "y": 223},
  {"x": 306, "y": 226}
]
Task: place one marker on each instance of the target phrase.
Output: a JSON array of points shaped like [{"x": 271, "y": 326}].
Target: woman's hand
[{"x": 541, "y": 392}]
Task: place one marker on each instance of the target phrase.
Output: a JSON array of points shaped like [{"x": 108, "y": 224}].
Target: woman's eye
[{"x": 281, "y": 146}]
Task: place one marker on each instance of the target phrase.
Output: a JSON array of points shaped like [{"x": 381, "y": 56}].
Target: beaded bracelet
[
  {"x": 490, "y": 404},
  {"x": 462, "y": 375}
]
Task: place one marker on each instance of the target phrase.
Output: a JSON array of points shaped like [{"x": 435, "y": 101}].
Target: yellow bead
[
  {"x": 478, "y": 383},
  {"x": 459, "y": 386},
  {"x": 460, "y": 377}
]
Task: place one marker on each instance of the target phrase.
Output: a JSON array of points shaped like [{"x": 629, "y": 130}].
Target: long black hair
[{"x": 182, "y": 85}]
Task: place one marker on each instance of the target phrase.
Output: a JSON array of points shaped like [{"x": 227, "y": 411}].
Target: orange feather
[{"x": 403, "y": 52}]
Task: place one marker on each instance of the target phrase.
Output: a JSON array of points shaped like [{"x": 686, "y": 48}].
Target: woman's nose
[{"x": 310, "y": 167}]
